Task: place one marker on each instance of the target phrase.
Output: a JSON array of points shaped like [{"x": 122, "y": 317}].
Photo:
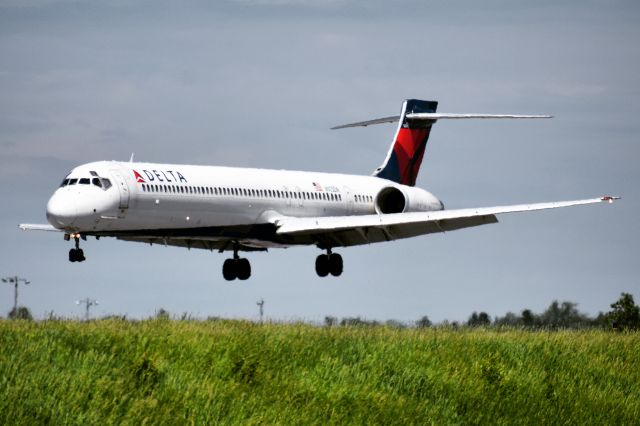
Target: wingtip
[{"x": 609, "y": 198}]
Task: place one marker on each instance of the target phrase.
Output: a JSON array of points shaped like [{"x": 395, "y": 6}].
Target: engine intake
[{"x": 391, "y": 200}]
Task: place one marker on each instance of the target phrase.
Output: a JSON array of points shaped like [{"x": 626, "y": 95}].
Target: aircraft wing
[
  {"x": 38, "y": 227},
  {"x": 339, "y": 231}
]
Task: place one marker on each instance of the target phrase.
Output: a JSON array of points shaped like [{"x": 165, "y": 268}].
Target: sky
[{"x": 258, "y": 83}]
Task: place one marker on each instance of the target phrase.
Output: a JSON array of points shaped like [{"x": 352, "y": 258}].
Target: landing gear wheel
[
  {"x": 243, "y": 269},
  {"x": 239, "y": 268},
  {"x": 322, "y": 265},
  {"x": 335, "y": 264},
  {"x": 229, "y": 271},
  {"x": 76, "y": 255}
]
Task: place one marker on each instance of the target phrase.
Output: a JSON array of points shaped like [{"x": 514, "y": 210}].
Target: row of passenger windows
[
  {"x": 363, "y": 198},
  {"x": 240, "y": 192}
]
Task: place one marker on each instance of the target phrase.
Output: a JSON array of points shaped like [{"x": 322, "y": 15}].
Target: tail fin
[{"x": 405, "y": 155}]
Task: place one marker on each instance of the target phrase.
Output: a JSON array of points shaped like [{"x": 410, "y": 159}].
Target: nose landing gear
[
  {"x": 330, "y": 263},
  {"x": 76, "y": 254}
]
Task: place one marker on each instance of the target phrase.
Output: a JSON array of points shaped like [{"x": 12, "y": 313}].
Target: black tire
[
  {"x": 243, "y": 269},
  {"x": 72, "y": 255},
  {"x": 335, "y": 264},
  {"x": 322, "y": 265},
  {"x": 229, "y": 270},
  {"x": 80, "y": 255}
]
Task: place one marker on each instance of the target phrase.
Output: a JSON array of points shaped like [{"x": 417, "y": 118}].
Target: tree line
[{"x": 624, "y": 315}]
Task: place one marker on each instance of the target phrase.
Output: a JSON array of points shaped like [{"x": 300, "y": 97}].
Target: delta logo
[{"x": 159, "y": 176}]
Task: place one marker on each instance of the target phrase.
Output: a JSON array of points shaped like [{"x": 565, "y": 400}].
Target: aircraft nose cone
[{"x": 61, "y": 210}]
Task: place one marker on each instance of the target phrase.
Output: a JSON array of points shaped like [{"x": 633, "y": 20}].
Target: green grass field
[{"x": 235, "y": 372}]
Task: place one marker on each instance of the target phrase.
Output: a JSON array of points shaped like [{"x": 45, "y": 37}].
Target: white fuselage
[{"x": 119, "y": 196}]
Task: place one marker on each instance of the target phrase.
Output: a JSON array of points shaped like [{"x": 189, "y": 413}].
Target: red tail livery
[{"x": 405, "y": 156}]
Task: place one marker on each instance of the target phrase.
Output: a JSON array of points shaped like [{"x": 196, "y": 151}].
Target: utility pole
[
  {"x": 260, "y": 304},
  {"x": 15, "y": 281},
  {"x": 88, "y": 304}
]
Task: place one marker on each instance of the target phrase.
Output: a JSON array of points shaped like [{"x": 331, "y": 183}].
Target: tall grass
[{"x": 235, "y": 372}]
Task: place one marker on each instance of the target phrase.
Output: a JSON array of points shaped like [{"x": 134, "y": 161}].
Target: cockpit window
[{"x": 98, "y": 181}]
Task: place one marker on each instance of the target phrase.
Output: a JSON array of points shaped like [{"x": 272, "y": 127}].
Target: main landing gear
[
  {"x": 330, "y": 263},
  {"x": 75, "y": 254},
  {"x": 238, "y": 267}
]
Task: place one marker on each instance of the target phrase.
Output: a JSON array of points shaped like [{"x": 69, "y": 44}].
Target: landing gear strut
[
  {"x": 330, "y": 263},
  {"x": 237, "y": 267},
  {"x": 76, "y": 254}
]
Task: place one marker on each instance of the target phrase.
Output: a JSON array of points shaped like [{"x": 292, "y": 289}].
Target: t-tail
[
  {"x": 404, "y": 158},
  {"x": 405, "y": 155}
]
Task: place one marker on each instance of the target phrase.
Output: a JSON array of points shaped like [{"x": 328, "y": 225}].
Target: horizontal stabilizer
[{"x": 433, "y": 116}]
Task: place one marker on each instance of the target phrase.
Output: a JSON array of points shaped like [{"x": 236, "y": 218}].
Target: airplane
[{"x": 248, "y": 209}]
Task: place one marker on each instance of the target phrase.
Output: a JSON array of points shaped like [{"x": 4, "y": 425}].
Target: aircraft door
[
  {"x": 348, "y": 195},
  {"x": 123, "y": 189},
  {"x": 300, "y": 199}
]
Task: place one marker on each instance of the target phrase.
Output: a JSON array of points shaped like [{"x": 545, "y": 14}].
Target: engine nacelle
[{"x": 391, "y": 200}]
